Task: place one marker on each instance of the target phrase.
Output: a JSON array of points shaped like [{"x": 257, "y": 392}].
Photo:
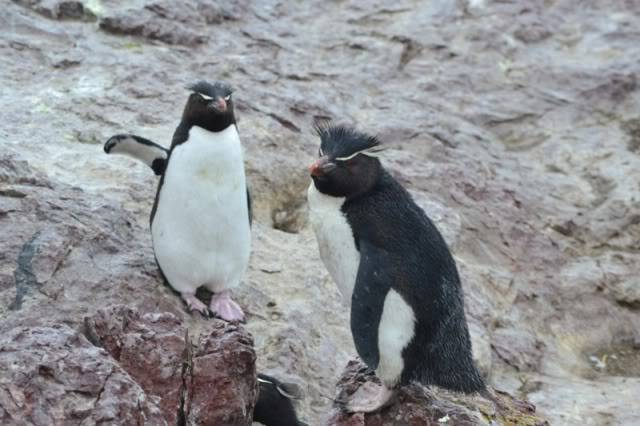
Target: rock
[
  {"x": 419, "y": 405},
  {"x": 151, "y": 348},
  {"x": 223, "y": 387},
  {"x": 212, "y": 382},
  {"x": 146, "y": 26},
  {"x": 173, "y": 22},
  {"x": 53, "y": 375},
  {"x": 515, "y": 124},
  {"x": 60, "y": 9},
  {"x": 520, "y": 349},
  {"x": 627, "y": 293}
]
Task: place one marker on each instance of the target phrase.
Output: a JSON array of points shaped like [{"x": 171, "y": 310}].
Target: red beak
[
  {"x": 321, "y": 166},
  {"x": 221, "y": 104}
]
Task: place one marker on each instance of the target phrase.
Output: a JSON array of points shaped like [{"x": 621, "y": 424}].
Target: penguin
[
  {"x": 150, "y": 153},
  {"x": 200, "y": 220},
  {"x": 394, "y": 269},
  {"x": 274, "y": 406}
]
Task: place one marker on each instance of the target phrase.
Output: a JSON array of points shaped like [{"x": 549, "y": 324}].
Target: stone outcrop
[
  {"x": 418, "y": 405},
  {"x": 211, "y": 381},
  {"x": 53, "y": 375},
  {"x": 514, "y": 123}
]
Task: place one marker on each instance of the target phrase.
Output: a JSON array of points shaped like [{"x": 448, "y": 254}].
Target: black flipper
[
  {"x": 153, "y": 155},
  {"x": 367, "y": 302}
]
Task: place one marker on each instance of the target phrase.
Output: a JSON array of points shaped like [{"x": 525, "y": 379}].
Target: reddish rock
[
  {"x": 53, "y": 375},
  {"x": 222, "y": 388},
  {"x": 150, "y": 347},
  {"x": 417, "y": 405},
  {"x": 210, "y": 383}
]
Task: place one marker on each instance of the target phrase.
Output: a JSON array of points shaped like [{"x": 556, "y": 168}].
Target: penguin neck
[
  {"x": 219, "y": 124},
  {"x": 184, "y": 131}
]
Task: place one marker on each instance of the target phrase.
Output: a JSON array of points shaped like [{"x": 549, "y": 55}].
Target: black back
[{"x": 406, "y": 244}]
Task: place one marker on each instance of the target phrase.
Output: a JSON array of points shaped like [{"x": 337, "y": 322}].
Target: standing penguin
[
  {"x": 147, "y": 152},
  {"x": 393, "y": 266},
  {"x": 200, "y": 221}
]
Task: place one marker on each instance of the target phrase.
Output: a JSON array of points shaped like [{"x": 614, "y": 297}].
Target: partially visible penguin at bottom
[
  {"x": 274, "y": 406},
  {"x": 200, "y": 221},
  {"x": 393, "y": 268}
]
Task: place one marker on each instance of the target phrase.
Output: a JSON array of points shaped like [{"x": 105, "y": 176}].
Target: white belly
[
  {"x": 200, "y": 231},
  {"x": 335, "y": 240}
]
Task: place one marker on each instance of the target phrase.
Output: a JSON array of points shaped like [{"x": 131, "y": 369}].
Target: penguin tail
[{"x": 150, "y": 153}]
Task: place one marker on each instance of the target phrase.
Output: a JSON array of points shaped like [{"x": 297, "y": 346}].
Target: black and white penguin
[
  {"x": 200, "y": 221},
  {"x": 393, "y": 267},
  {"x": 150, "y": 153},
  {"x": 274, "y": 406}
]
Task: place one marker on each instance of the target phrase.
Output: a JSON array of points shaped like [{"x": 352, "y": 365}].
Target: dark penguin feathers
[
  {"x": 139, "y": 148},
  {"x": 210, "y": 106},
  {"x": 407, "y": 308},
  {"x": 274, "y": 406},
  {"x": 341, "y": 142}
]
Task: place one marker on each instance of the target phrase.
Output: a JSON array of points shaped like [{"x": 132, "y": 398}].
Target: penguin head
[
  {"x": 209, "y": 106},
  {"x": 274, "y": 406},
  {"x": 347, "y": 165}
]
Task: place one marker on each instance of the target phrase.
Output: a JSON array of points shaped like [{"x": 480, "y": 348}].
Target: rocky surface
[
  {"x": 212, "y": 381},
  {"x": 418, "y": 405},
  {"x": 53, "y": 375},
  {"x": 515, "y": 124}
]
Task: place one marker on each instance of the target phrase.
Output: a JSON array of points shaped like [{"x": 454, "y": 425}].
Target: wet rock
[
  {"x": 53, "y": 375},
  {"x": 419, "y": 405}
]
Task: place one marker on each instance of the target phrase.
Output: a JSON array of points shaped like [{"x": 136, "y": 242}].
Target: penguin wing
[
  {"x": 153, "y": 155},
  {"x": 373, "y": 282}
]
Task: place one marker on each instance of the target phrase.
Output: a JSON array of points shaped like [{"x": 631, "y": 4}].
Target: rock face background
[{"x": 515, "y": 123}]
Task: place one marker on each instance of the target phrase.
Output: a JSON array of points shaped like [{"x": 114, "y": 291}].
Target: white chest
[
  {"x": 208, "y": 161},
  {"x": 335, "y": 240},
  {"x": 201, "y": 228}
]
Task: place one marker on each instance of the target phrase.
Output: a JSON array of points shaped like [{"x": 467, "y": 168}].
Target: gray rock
[
  {"x": 515, "y": 123},
  {"x": 60, "y": 9}
]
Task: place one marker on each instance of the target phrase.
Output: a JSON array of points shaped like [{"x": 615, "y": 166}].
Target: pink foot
[
  {"x": 222, "y": 306},
  {"x": 193, "y": 304},
  {"x": 369, "y": 398}
]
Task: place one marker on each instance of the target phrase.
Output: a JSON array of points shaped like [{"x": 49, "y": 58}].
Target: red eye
[{"x": 350, "y": 163}]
